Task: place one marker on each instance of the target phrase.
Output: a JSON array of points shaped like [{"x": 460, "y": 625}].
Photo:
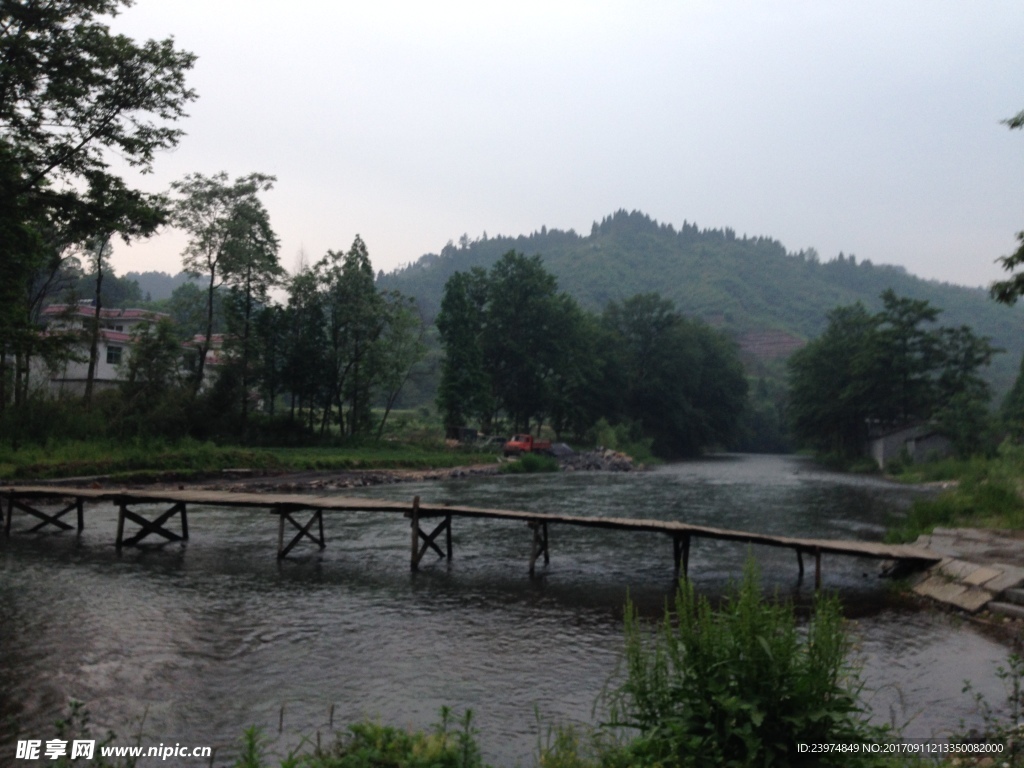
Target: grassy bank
[
  {"x": 982, "y": 493},
  {"x": 144, "y": 459}
]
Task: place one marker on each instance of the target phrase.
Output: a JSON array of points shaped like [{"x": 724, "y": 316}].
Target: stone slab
[
  {"x": 957, "y": 569},
  {"x": 941, "y": 589},
  {"x": 943, "y": 546},
  {"x": 982, "y": 576},
  {"x": 973, "y": 599},
  {"x": 1012, "y": 576}
]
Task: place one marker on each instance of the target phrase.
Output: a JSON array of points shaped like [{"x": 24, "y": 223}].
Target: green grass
[
  {"x": 985, "y": 493},
  {"x": 146, "y": 458}
]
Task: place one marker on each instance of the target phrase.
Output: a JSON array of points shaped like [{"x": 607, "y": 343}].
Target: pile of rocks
[{"x": 605, "y": 460}]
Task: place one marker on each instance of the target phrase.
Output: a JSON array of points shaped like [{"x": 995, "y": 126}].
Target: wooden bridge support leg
[
  {"x": 540, "y": 543},
  {"x": 414, "y": 522},
  {"x": 46, "y": 518},
  {"x": 6, "y": 520},
  {"x": 800, "y": 565},
  {"x": 417, "y": 549},
  {"x": 681, "y": 555},
  {"x": 149, "y": 527},
  {"x": 285, "y": 513},
  {"x": 428, "y": 541},
  {"x": 120, "y": 526}
]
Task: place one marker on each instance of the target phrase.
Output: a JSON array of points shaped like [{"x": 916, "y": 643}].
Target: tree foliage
[
  {"x": 518, "y": 350},
  {"x": 507, "y": 336},
  {"x": 72, "y": 94},
  {"x": 230, "y": 242},
  {"x": 890, "y": 369},
  {"x": 744, "y": 285},
  {"x": 678, "y": 379},
  {"x": 464, "y": 392}
]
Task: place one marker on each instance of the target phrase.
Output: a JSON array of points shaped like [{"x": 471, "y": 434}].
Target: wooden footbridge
[{"x": 292, "y": 511}]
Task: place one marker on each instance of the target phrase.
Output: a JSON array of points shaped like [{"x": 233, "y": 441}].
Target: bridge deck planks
[{"x": 295, "y": 501}]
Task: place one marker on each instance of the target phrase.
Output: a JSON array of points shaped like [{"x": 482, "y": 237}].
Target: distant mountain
[
  {"x": 158, "y": 285},
  {"x": 769, "y": 299}
]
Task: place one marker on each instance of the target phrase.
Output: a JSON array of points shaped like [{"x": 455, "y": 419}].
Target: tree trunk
[
  {"x": 3, "y": 379},
  {"x": 94, "y": 332},
  {"x": 245, "y": 350},
  {"x": 204, "y": 345}
]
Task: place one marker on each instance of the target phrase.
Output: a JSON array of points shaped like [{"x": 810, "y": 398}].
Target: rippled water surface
[{"x": 211, "y": 637}]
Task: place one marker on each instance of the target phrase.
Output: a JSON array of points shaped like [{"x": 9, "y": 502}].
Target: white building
[{"x": 113, "y": 345}]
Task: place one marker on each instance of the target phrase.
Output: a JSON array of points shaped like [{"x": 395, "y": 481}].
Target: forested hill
[
  {"x": 157, "y": 285},
  {"x": 751, "y": 287}
]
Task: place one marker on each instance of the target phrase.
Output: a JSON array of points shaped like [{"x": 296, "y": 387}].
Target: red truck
[{"x": 526, "y": 444}]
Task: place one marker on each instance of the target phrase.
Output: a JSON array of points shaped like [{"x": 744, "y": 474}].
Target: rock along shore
[{"x": 602, "y": 460}]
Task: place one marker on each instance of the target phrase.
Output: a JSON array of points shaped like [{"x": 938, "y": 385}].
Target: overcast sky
[{"x": 870, "y": 128}]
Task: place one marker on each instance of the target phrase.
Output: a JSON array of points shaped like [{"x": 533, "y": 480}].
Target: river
[{"x": 206, "y": 639}]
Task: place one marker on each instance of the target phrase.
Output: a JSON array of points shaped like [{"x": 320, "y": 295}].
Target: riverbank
[
  {"x": 980, "y": 493},
  {"x": 208, "y": 465},
  {"x": 194, "y": 461}
]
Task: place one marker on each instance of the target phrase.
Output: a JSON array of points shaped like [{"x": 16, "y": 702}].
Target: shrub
[
  {"x": 988, "y": 494},
  {"x": 742, "y": 685},
  {"x": 1003, "y": 726},
  {"x": 371, "y": 745}
]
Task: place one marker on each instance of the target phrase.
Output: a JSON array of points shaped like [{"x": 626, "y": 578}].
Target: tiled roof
[{"x": 87, "y": 310}]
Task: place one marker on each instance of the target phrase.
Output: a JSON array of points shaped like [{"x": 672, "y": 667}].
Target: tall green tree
[
  {"x": 578, "y": 391},
  {"x": 306, "y": 357},
  {"x": 515, "y": 346},
  {"x": 399, "y": 348},
  {"x": 229, "y": 237},
  {"x": 830, "y": 387},
  {"x": 464, "y": 392},
  {"x": 72, "y": 96},
  {"x": 508, "y": 341},
  {"x": 888, "y": 370},
  {"x": 907, "y": 355},
  {"x": 676, "y": 378},
  {"x": 354, "y": 319},
  {"x": 110, "y": 208},
  {"x": 1009, "y": 290},
  {"x": 520, "y": 337},
  {"x": 251, "y": 268},
  {"x": 1013, "y": 406}
]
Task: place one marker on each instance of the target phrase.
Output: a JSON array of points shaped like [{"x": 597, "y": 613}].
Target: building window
[{"x": 113, "y": 355}]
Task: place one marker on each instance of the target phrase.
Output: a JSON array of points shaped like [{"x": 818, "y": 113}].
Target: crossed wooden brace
[
  {"x": 47, "y": 519},
  {"x": 149, "y": 527},
  {"x": 285, "y": 513}
]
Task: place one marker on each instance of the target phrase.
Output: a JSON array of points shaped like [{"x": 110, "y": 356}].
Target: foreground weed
[
  {"x": 1004, "y": 727},
  {"x": 743, "y": 685},
  {"x": 450, "y": 744}
]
